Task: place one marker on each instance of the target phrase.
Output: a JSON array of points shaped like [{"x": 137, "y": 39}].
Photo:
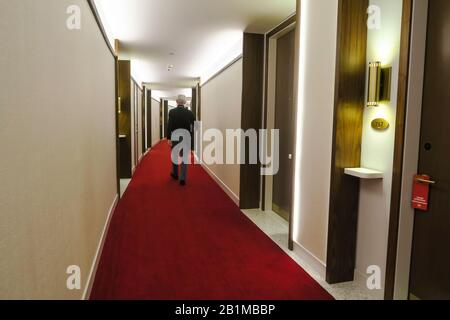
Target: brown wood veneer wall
[
  {"x": 348, "y": 122},
  {"x": 251, "y": 118},
  {"x": 124, "y": 89}
]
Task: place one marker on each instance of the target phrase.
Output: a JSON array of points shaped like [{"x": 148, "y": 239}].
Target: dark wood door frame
[
  {"x": 161, "y": 120},
  {"x": 194, "y": 102},
  {"x": 194, "y": 111},
  {"x": 284, "y": 122},
  {"x": 116, "y": 110},
  {"x": 399, "y": 147},
  {"x": 199, "y": 102},
  {"x": 166, "y": 118},
  {"x": 149, "y": 119},
  {"x": 124, "y": 92},
  {"x": 283, "y": 26},
  {"x": 143, "y": 119},
  {"x": 135, "y": 132}
]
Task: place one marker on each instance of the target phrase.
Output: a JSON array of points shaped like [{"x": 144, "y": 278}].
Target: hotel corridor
[
  {"x": 320, "y": 128},
  {"x": 171, "y": 242}
]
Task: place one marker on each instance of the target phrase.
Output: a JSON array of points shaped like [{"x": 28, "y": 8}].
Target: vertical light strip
[{"x": 302, "y": 20}]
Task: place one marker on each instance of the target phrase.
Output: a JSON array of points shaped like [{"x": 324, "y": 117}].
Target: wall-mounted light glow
[
  {"x": 379, "y": 84},
  {"x": 223, "y": 48}
]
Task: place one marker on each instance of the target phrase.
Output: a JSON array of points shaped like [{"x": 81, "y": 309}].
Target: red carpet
[{"x": 191, "y": 243}]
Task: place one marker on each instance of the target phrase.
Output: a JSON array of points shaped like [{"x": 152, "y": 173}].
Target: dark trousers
[{"x": 176, "y": 166}]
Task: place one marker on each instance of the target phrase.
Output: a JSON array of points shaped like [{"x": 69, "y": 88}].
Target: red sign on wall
[{"x": 421, "y": 193}]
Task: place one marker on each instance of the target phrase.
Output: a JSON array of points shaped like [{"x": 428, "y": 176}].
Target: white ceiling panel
[{"x": 190, "y": 35}]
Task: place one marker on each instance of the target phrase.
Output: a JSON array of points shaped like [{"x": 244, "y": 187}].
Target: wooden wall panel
[
  {"x": 166, "y": 118},
  {"x": 194, "y": 102},
  {"x": 116, "y": 110},
  {"x": 124, "y": 91},
  {"x": 194, "y": 111},
  {"x": 252, "y": 101},
  {"x": 161, "y": 122},
  {"x": 143, "y": 120},
  {"x": 149, "y": 120},
  {"x": 348, "y": 121}
]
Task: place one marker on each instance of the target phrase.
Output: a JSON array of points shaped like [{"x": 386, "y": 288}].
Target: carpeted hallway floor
[{"x": 192, "y": 243}]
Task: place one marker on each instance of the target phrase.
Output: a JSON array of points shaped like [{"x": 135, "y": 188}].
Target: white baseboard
[
  {"x": 311, "y": 261},
  {"x": 224, "y": 187},
  {"x": 93, "y": 271}
]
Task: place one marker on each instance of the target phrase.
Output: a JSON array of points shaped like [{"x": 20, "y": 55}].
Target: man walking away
[{"x": 180, "y": 118}]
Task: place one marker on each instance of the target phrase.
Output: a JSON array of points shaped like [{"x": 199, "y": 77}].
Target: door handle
[{"x": 425, "y": 181}]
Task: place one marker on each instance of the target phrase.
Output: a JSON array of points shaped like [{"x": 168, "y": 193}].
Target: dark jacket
[{"x": 180, "y": 118}]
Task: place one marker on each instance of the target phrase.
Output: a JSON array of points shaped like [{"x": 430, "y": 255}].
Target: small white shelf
[{"x": 364, "y": 173}]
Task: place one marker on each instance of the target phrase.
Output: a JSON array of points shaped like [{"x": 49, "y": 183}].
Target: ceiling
[
  {"x": 170, "y": 93},
  {"x": 196, "y": 37}
]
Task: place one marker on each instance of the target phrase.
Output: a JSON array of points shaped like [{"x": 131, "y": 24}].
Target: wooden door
[
  {"x": 284, "y": 121},
  {"x": 430, "y": 268},
  {"x": 136, "y": 125},
  {"x": 149, "y": 119},
  {"x": 124, "y": 106},
  {"x": 199, "y": 103},
  {"x": 143, "y": 120},
  {"x": 166, "y": 118},
  {"x": 161, "y": 122}
]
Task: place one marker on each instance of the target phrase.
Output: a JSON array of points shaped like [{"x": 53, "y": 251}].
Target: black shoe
[
  {"x": 182, "y": 183},
  {"x": 174, "y": 177}
]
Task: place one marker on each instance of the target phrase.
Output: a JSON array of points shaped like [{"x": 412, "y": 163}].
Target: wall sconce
[{"x": 379, "y": 84}]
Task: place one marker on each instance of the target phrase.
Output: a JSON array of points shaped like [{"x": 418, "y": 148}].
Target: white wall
[
  {"x": 155, "y": 122},
  {"x": 315, "y": 124},
  {"x": 224, "y": 56},
  {"x": 221, "y": 109},
  {"x": 378, "y": 146},
  {"x": 57, "y": 129}
]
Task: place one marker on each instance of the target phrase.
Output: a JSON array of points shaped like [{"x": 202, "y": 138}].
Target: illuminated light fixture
[{"x": 379, "y": 84}]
